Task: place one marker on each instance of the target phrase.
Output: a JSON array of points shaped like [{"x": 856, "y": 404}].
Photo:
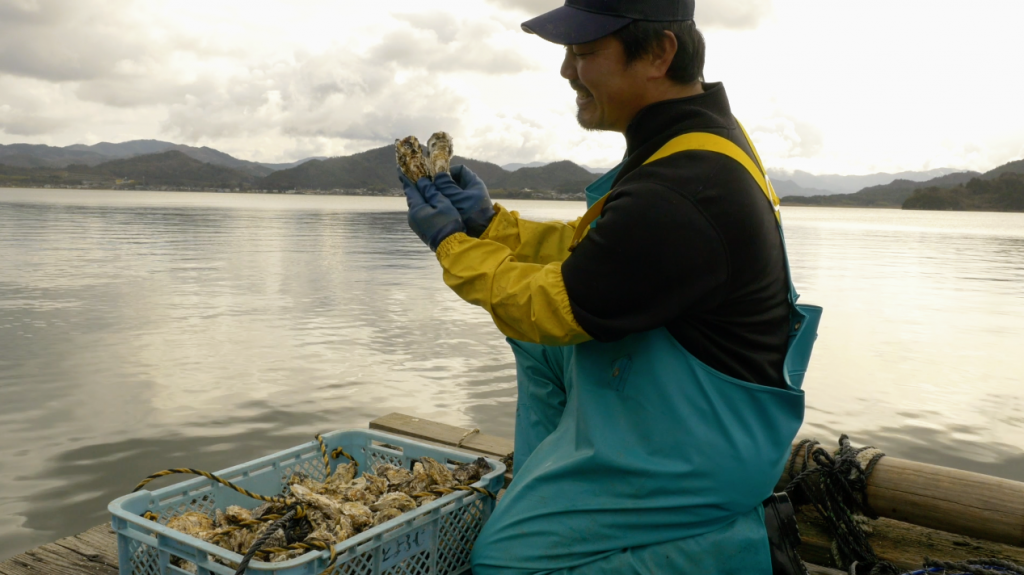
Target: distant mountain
[
  {"x": 125, "y": 149},
  {"x": 288, "y": 165},
  {"x": 891, "y": 195},
  {"x": 836, "y": 184},
  {"x": 1016, "y": 167},
  {"x": 174, "y": 168},
  {"x": 23, "y": 155},
  {"x": 375, "y": 170},
  {"x": 1002, "y": 193},
  {"x": 514, "y": 167},
  {"x": 787, "y": 188},
  {"x": 170, "y": 169},
  {"x": 39, "y": 156}
]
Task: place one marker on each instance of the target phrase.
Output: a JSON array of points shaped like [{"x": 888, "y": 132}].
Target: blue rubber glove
[
  {"x": 431, "y": 215},
  {"x": 468, "y": 194}
]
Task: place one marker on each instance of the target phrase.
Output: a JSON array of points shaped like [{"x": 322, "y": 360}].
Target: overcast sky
[{"x": 824, "y": 86}]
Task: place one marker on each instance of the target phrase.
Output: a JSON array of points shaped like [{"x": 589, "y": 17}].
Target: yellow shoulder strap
[{"x": 685, "y": 143}]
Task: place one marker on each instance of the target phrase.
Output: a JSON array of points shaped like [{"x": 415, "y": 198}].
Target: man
[{"x": 659, "y": 349}]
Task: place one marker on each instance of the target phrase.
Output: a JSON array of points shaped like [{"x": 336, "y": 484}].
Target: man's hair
[{"x": 642, "y": 38}]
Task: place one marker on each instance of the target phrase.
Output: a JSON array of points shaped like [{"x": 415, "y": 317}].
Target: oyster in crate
[
  {"x": 399, "y": 501},
  {"x": 385, "y": 516}
]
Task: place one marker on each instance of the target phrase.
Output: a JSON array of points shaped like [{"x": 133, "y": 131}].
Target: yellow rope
[
  {"x": 340, "y": 452},
  {"x": 208, "y": 475},
  {"x": 323, "y": 451}
]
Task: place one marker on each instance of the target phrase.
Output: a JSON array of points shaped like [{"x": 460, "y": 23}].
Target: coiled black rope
[
  {"x": 985, "y": 566},
  {"x": 838, "y": 494},
  {"x": 259, "y": 543}
]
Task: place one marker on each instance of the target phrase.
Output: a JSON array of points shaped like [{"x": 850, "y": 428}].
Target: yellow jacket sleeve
[
  {"x": 530, "y": 242},
  {"x": 527, "y": 300}
]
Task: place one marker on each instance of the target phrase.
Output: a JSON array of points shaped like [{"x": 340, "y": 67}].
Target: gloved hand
[
  {"x": 468, "y": 194},
  {"x": 431, "y": 215}
]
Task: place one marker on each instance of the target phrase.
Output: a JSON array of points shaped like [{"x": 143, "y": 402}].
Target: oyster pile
[
  {"x": 336, "y": 509},
  {"x": 412, "y": 162}
]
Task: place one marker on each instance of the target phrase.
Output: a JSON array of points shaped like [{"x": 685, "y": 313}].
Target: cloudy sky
[{"x": 824, "y": 86}]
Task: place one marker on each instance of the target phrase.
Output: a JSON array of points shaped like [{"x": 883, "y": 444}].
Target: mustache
[{"x": 578, "y": 86}]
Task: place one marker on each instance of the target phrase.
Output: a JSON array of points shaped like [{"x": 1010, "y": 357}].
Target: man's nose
[{"x": 569, "y": 66}]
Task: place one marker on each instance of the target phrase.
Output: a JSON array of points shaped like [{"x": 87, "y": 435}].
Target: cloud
[
  {"x": 59, "y": 40},
  {"x": 732, "y": 14},
  {"x": 786, "y": 137},
  {"x": 20, "y": 123},
  {"x": 722, "y": 14},
  {"x": 531, "y": 7}
]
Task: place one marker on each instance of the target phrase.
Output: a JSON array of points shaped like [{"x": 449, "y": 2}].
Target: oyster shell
[
  {"x": 357, "y": 513},
  {"x": 385, "y": 516},
  {"x": 394, "y": 475},
  {"x": 438, "y": 472},
  {"x": 321, "y": 503},
  {"x": 193, "y": 523},
  {"x": 441, "y": 150},
  {"x": 409, "y": 154},
  {"x": 342, "y": 474},
  {"x": 399, "y": 501},
  {"x": 470, "y": 473}
]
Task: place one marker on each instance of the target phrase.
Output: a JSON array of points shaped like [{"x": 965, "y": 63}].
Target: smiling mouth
[{"x": 583, "y": 95}]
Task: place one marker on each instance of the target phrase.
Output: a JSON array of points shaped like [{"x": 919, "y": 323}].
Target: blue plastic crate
[{"x": 436, "y": 538}]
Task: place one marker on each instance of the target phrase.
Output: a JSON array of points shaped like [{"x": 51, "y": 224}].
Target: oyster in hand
[
  {"x": 441, "y": 150},
  {"x": 409, "y": 154}
]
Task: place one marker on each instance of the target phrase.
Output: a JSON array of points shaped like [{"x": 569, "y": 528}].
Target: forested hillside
[{"x": 1004, "y": 193}]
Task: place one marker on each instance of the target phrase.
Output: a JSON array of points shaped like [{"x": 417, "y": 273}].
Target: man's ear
[{"x": 664, "y": 53}]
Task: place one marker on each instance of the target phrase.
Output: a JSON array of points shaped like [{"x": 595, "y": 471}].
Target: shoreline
[{"x": 497, "y": 194}]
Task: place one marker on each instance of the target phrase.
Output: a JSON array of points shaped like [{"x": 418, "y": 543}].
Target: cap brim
[{"x": 567, "y": 25}]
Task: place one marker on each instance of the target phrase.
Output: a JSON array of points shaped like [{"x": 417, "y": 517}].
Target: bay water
[{"x": 146, "y": 330}]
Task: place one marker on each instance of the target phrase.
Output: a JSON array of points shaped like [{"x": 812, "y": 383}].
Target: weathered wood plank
[
  {"x": 98, "y": 544},
  {"x": 447, "y": 435},
  {"x": 417, "y": 428},
  {"x": 52, "y": 559},
  {"x": 951, "y": 500},
  {"x": 819, "y": 570},
  {"x": 904, "y": 544}
]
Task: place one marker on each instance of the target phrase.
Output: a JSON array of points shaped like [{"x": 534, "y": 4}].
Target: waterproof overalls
[{"x": 634, "y": 457}]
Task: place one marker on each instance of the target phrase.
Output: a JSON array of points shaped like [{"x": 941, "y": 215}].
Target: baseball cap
[{"x": 582, "y": 21}]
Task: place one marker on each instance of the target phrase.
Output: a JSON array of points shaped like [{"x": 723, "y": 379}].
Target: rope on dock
[
  {"x": 986, "y": 566},
  {"x": 838, "y": 494}
]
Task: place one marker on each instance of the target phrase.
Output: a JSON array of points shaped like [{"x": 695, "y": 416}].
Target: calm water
[{"x": 140, "y": 331}]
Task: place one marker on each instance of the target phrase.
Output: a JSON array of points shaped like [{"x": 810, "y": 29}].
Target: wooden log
[
  {"x": 901, "y": 543},
  {"x": 951, "y": 500}
]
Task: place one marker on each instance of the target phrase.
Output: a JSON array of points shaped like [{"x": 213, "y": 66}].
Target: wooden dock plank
[
  {"x": 53, "y": 559},
  {"x": 417, "y": 428},
  {"x": 98, "y": 544}
]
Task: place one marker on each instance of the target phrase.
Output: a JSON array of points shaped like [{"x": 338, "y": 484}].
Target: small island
[
  {"x": 1003, "y": 194},
  {"x": 999, "y": 190}
]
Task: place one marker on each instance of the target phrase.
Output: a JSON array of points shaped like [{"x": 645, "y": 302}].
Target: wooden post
[{"x": 945, "y": 499}]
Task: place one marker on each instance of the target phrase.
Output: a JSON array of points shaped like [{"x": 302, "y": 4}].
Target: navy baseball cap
[{"x": 582, "y": 21}]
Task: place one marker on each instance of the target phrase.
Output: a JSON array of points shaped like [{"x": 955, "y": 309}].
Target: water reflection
[{"x": 143, "y": 331}]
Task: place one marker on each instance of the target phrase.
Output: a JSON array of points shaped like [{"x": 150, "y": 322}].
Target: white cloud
[{"x": 824, "y": 87}]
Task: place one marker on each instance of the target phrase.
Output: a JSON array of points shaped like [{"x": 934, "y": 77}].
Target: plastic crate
[{"x": 435, "y": 539}]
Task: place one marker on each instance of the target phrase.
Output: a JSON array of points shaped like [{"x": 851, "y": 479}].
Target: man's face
[{"x": 609, "y": 93}]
